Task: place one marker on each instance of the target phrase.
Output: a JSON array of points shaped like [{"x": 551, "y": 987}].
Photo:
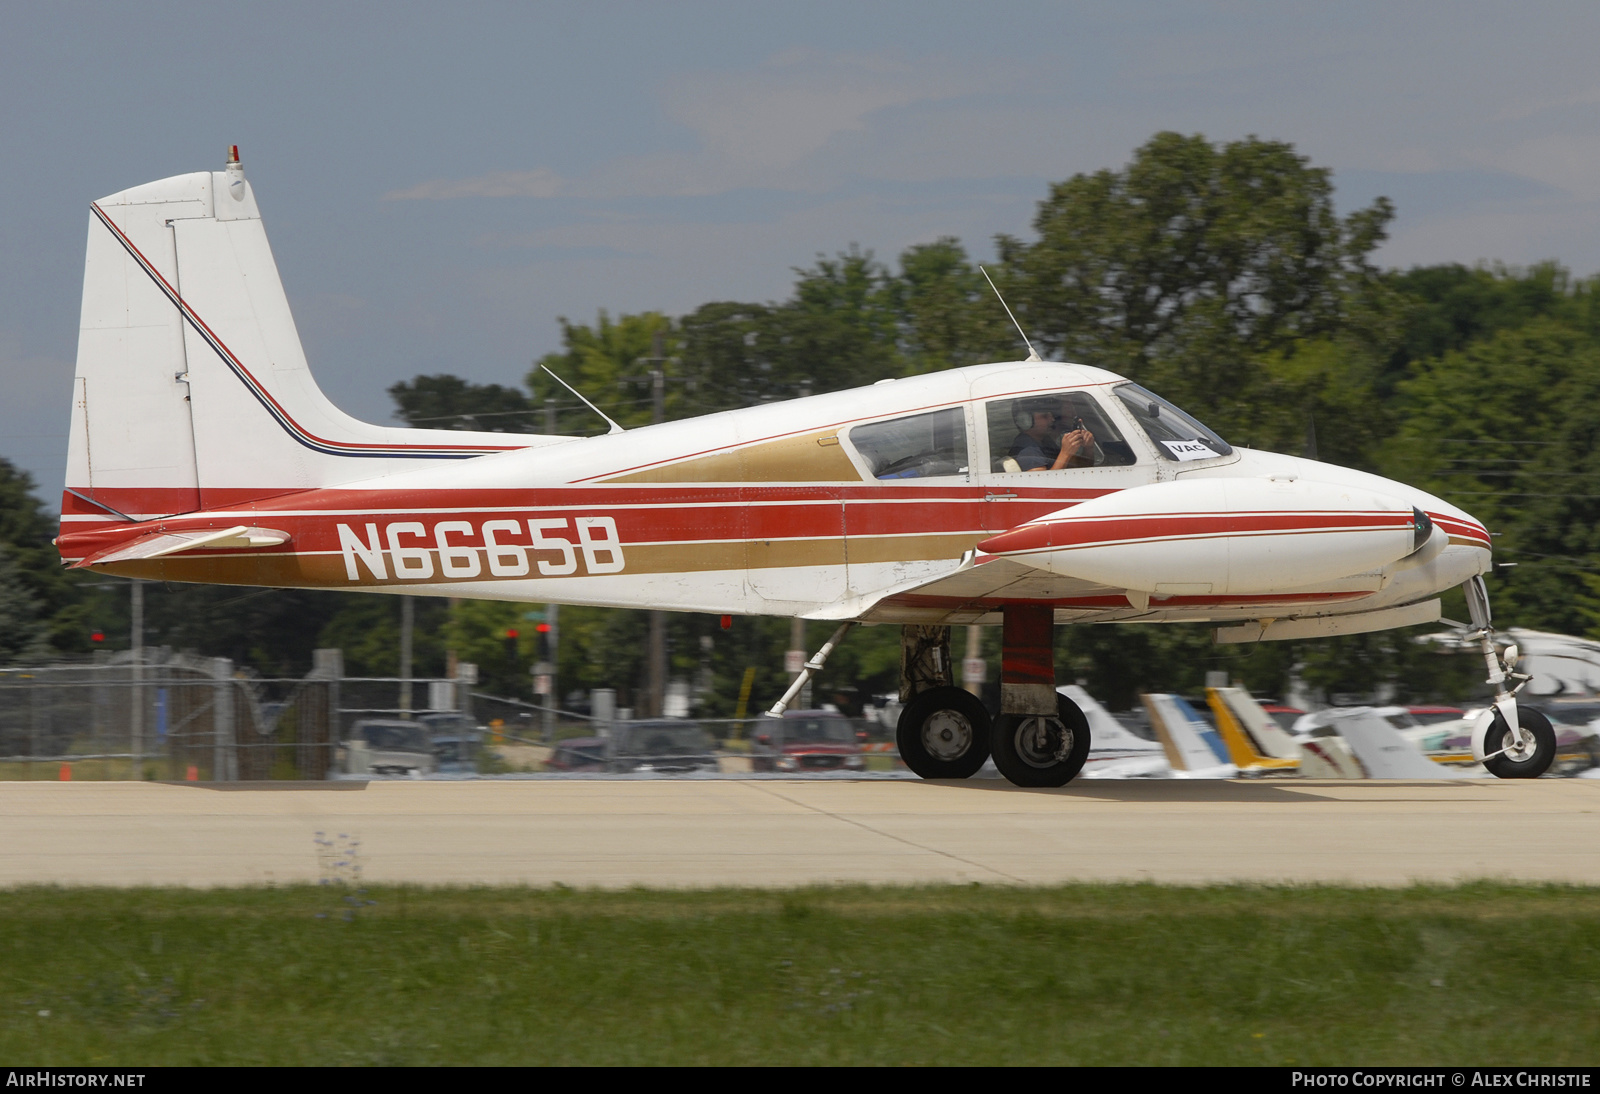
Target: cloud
[
  {"x": 541, "y": 182},
  {"x": 790, "y": 123},
  {"x": 797, "y": 122}
]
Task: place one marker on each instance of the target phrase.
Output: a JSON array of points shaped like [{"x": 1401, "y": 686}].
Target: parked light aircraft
[
  {"x": 1190, "y": 749},
  {"x": 1384, "y": 753},
  {"x": 202, "y": 450},
  {"x": 1112, "y": 742},
  {"x": 1356, "y": 742},
  {"x": 1256, "y": 744}
]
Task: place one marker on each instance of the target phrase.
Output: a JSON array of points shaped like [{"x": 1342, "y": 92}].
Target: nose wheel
[
  {"x": 943, "y": 733},
  {"x": 1527, "y": 758},
  {"x": 1039, "y": 750}
]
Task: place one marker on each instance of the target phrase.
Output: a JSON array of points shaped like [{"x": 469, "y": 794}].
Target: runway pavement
[{"x": 772, "y": 832}]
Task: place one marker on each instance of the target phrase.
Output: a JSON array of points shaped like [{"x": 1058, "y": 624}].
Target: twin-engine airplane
[{"x": 1027, "y": 494}]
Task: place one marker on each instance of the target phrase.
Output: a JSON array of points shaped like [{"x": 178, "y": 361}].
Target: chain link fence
[{"x": 177, "y": 716}]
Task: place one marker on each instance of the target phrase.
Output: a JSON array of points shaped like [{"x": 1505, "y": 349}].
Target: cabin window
[
  {"x": 918, "y": 447},
  {"x": 1177, "y": 436},
  {"x": 1025, "y": 433}
]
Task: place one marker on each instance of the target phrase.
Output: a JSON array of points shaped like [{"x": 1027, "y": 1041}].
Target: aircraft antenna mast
[
  {"x": 1033, "y": 354},
  {"x": 615, "y": 428}
]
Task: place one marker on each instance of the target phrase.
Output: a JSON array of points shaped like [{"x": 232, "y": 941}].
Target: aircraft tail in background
[
  {"x": 1185, "y": 738},
  {"x": 1256, "y": 743},
  {"x": 192, "y": 389},
  {"x": 1108, "y": 734},
  {"x": 1384, "y": 753}
]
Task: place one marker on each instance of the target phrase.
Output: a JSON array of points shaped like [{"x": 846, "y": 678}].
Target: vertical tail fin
[
  {"x": 1183, "y": 736},
  {"x": 1105, "y": 731},
  {"x": 1383, "y": 753},
  {"x": 1252, "y": 738},
  {"x": 192, "y": 389}
]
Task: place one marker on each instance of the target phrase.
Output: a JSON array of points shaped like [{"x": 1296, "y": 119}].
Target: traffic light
[
  {"x": 511, "y": 646},
  {"x": 97, "y": 637},
  {"x": 543, "y": 652}
]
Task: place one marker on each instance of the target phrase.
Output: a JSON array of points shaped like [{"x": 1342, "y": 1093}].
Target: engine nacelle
[{"x": 1221, "y": 536}]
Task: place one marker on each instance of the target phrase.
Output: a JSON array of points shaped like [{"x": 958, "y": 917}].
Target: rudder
[{"x": 192, "y": 389}]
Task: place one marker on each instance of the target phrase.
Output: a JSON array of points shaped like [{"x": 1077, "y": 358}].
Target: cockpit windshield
[{"x": 1177, "y": 436}]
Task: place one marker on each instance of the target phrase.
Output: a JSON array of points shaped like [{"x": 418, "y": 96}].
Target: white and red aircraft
[{"x": 202, "y": 450}]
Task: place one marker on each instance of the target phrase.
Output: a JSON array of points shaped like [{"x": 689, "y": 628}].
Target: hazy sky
[{"x": 440, "y": 182}]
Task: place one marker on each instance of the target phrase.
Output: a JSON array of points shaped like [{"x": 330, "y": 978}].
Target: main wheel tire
[
  {"x": 1527, "y": 763},
  {"x": 1035, "y": 750},
  {"x": 944, "y": 734}
]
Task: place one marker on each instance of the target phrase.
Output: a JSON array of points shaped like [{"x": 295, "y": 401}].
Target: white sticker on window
[{"x": 1189, "y": 450}]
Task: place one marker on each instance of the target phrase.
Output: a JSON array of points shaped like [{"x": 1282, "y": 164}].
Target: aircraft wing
[{"x": 974, "y": 591}]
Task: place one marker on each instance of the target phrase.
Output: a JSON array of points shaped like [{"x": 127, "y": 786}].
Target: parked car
[
  {"x": 808, "y": 740},
  {"x": 389, "y": 746},
  {"x": 664, "y": 745},
  {"x": 578, "y": 754},
  {"x": 456, "y": 739}
]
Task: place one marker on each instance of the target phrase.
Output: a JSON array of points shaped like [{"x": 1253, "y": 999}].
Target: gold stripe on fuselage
[
  {"x": 810, "y": 457},
  {"x": 328, "y": 570}
]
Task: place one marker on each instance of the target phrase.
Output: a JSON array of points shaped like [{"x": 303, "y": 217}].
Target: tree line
[{"x": 1220, "y": 275}]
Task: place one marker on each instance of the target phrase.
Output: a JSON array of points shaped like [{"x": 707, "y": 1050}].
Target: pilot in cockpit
[{"x": 1046, "y": 443}]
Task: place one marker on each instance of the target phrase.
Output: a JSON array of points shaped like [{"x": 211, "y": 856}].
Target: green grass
[{"x": 1481, "y": 974}]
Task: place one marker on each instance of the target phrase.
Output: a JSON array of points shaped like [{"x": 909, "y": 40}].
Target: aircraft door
[
  {"x": 1048, "y": 450},
  {"x": 794, "y": 543}
]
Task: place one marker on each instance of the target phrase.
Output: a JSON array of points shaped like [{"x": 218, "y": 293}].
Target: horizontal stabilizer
[{"x": 159, "y": 544}]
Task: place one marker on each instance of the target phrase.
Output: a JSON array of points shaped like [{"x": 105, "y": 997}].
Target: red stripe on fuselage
[{"x": 1069, "y": 533}]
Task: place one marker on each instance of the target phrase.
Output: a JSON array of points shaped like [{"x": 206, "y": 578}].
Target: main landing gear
[
  {"x": 944, "y": 734},
  {"x": 1527, "y": 750},
  {"x": 1039, "y": 739},
  {"x": 1041, "y": 749}
]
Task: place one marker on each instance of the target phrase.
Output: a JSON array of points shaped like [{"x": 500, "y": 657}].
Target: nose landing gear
[{"x": 1511, "y": 743}]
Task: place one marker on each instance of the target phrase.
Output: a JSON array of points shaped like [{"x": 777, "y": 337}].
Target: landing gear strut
[
  {"x": 1511, "y": 743},
  {"x": 1041, "y": 738}
]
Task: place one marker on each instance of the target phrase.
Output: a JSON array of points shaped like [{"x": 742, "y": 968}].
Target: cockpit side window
[
  {"x": 916, "y": 447},
  {"x": 1177, "y": 436},
  {"x": 1025, "y": 434}
]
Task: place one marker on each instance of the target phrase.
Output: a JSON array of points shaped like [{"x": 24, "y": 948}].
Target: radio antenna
[
  {"x": 1033, "y": 354},
  {"x": 615, "y": 428}
]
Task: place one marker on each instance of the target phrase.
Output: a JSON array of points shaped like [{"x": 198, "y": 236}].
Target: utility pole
[
  {"x": 656, "y": 678},
  {"x": 551, "y": 651},
  {"x": 408, "y": 610},
  {"x": 973, "y": 666},
  {"x": 794, "y": 660},
  {"x": 136, "y": 703}
]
